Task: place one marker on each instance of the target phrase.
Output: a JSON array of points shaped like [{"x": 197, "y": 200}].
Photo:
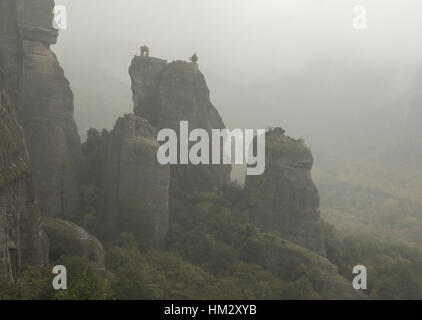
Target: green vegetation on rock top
[{"x": 279, "y": 143}]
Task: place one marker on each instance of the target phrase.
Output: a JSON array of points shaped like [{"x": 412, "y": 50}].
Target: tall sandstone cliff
[
  {"x": 21, "y": 240},
  {"x": 165, "y": 94},
  {"x": 285, "y": 198},
  {"x": 44, "y": 101},
  {"x": 132, "y": 175}
]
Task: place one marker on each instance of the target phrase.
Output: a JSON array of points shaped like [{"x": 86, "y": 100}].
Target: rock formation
[
  {"x": 66, "y": 238},
  {"x": 281, "y": 257},
  {"x": 285, "y": 198},
  {"x": 131, "y": 171},
  {"x": 21, "y": 240},
  {"x": 44, "y": 103},
  {"x": 167, "y": 93}
]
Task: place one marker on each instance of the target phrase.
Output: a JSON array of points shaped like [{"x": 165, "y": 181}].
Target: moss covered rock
[
  {"x": 284, "y": 198},
  {"x": 289, "y": 261},
  {"x": 68, "y": 239}
]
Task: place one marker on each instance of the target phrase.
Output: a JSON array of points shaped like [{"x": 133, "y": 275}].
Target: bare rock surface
[
  {"x": 285, "y": 198},
  {"x": 167, "y": 93},
  {"x": 131, "y": 171}
]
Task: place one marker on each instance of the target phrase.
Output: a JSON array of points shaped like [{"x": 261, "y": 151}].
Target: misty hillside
[
  {"x": 359, "y": 110},
  {"x": 83, "y": 184}
]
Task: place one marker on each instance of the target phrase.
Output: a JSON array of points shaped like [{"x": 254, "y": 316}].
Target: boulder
[{"x": 67, "y": 238}]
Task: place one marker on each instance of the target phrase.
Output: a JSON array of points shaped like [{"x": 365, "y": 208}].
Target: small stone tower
[{"x": 144, "y": 51}]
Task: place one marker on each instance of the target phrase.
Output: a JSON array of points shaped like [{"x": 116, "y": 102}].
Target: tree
[
  {"x": 194, "y": 58},
  {"x": 137, "y": 218}
]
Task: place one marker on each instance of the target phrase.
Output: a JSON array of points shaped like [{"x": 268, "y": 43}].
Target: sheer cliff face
[
  {"x": 20, "y": 233},
  {"x": 166, "y": 94},
  {"x": 285, "y": 198},
  {"x": 44, "y": 103},
  {"x": 131, "y": 173}
]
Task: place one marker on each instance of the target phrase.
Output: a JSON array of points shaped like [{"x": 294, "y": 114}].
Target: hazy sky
[
  {"x": 275, "y": 59},
  {"x": 256, "y": 33}
]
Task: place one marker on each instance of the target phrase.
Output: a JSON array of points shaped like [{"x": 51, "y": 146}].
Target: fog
[{"x": 298, "y": 64}]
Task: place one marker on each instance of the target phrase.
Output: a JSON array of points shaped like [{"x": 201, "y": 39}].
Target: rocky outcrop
[
  {"x": 44, "y": 103},
  {"x": 21, "y": 240},
  {"x": 66, "y": 238},
  {"x": 46, "y": 113},
  {"x": 285, "y": 260},
  {"x": 285, "y": 198},
  {"x": 131, "y": 173},
  {"x": 34, "y": 19},
  {"x": 167, "y": 93}
]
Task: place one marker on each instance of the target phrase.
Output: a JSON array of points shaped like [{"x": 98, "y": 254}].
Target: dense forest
[{"x": 213, "y": 252}]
